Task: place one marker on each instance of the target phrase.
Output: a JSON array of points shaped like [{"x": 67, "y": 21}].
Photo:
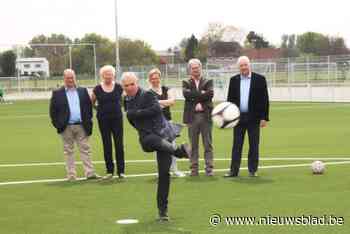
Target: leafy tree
[
  {"x": 256, "y": 41},
  {"x": 313, "y": 43},
  {"x": 8, "y": 63},
  {"x": 192, "y": 48}
]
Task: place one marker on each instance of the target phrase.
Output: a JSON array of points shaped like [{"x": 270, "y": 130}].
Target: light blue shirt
[
  {"x": 245, "y": 89},
  {"x": 74, "y": 105}
]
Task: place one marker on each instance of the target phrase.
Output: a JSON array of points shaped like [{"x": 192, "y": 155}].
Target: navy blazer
[
  {"x": 60, "y": 113},
  {"x": 258, "y": 105}
]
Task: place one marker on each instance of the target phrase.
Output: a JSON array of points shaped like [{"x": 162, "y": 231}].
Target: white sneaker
[{"x": 179, "y": 174}]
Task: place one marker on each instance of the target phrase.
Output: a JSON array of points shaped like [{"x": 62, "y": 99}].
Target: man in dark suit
[
  {"x": 198, "y": 93},
  {"x": 248, "y": 90},
  {"x": 155, "y": 134},
  {"x": 71, "y": 115}
]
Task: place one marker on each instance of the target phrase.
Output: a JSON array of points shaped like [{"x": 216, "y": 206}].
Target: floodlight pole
[
  {"x": 70, "y": 56},
  {"x": 117, "y": 61},
  {"x": 95, "y": 63}
]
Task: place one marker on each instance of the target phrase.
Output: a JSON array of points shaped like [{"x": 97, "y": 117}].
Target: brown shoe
[
  {"x": 94, "y": 177},
  {"x": 71, "y": 178}
]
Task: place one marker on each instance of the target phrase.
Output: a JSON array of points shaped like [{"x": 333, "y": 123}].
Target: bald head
[
  {"x": 69, "y": 78},
  {"x": 129, "y": 83}
]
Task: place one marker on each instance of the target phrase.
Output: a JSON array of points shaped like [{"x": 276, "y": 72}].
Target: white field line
[
  {"x": 179, "y": 160},
  {"x": 154, "y": 174},
  {"x": 180, "y": 111}
]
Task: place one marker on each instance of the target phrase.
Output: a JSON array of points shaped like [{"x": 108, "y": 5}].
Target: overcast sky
[{"x": 163, "y": 23}]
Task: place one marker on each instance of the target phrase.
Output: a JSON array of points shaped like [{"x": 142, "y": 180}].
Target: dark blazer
[
  {"x": 144, "y": 113},
  {"x": 59, "y": 109},
  {"x": 193, "y": 96},
  {"x": 146, "y": 116},
  {"x": 258, "y": 106}
]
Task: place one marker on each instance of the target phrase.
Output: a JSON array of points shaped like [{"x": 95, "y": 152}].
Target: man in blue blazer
[
  {"x": 248, "y": 90},
  {"x": 71, "y": 115}
]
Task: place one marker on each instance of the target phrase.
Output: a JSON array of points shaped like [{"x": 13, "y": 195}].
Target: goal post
[{"x": 39, "y": 66}]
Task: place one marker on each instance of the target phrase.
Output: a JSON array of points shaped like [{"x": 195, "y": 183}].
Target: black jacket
[
  {"x": 144, "y": 113},
  {"x": 204, "y": 95},
  {"x": 258, "y": 106},
  {"x": 59, "y": 109}
]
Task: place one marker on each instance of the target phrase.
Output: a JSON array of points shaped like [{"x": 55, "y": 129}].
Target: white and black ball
[
  {"x": 318, "y": 167},
  {"x": 225, "y": 115}
]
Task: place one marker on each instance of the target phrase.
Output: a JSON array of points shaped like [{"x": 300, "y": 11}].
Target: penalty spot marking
[{"x": 126, "y": 221}]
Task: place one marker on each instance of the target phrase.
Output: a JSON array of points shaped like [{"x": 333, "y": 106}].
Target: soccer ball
[
  {"x": 317, "y": 167},
  {"x": 225, "y": 115}
]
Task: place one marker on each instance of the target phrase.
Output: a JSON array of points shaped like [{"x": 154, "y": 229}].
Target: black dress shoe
[
  {"x": 230, "y": 175},
  {"x": 183, "y": 151},
  {"x": 163, "y": 216},
  {"x": 253, "y": 174}
]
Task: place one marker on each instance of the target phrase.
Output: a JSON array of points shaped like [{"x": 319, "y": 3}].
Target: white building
[{"x": 33, "y": 66}]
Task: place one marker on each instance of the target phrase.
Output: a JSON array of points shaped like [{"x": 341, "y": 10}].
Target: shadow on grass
[
  {"x": 152, "y": 180},
  {"x": 69, "y": 184},
  {"x": 250, "y": 180},
  {"x": 154, "y": 227},
  {"x": 201, "y": 179}
]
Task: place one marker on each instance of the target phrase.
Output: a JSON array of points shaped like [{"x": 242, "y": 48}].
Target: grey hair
[
  {"x": 69, "y": 70},
  {"x": 194, "y": 61},
  {"x": 107, "y": 68},
  {"x": 243, "y": 58},
  {"x": 126, "y": 75}
]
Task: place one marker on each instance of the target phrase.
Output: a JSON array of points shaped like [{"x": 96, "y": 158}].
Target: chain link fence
[{"x": 39, "y": 70}]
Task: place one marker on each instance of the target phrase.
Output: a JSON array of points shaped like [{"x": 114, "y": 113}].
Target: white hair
[
  {"x": 194, "y": 61},
  {"x": 127, "y": 75},
  {"x": 243, "y": 59},
  {"x": 68, "y": 70},
  {"x": 107, "y": 68}
]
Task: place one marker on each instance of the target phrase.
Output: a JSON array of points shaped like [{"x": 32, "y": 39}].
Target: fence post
[
  {"x": 308, "y": 77},
  {"x": 95, "y": 65},
  {"x": 288, "y": 79},
  {"x": 166, "y": 71},
  {"x": 18, "y": 71}
]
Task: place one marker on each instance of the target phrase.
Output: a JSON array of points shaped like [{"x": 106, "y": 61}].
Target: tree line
[
  {"x": 218, "y": 40},
  {"x": 221, "y": 40}
]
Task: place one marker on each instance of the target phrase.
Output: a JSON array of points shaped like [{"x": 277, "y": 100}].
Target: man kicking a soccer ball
[{"x": 156, "y": 134}]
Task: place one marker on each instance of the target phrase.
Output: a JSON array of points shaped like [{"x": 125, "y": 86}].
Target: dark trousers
[
  {"x": 109, "y": 128},
  {"x": 253, "y": 128},
  {"x": 152, "y": 142},
  {"x": 165, "y": 149},
  {"x": 164, "y": 163}
]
